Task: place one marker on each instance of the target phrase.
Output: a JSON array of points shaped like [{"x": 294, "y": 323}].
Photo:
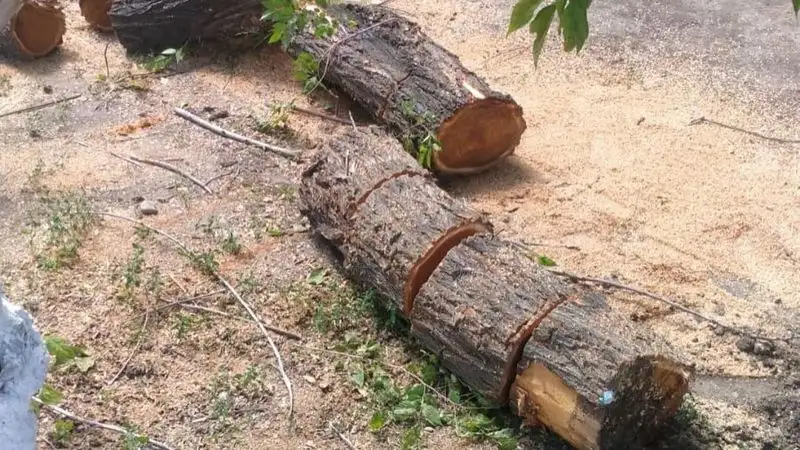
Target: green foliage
[
  {"x": 134, "y": 441},
  {"x": 69, "y": 217},
  {"x": 419, "y": 139},
  {"x": 66, "y": 355},
  {"x": 290, "y": 18},
  {"x": 231, "y": 244},
  {"x": 545, "y": 261},
  {"x": 317, "y": 276},
  {"x": 306, "y": 70},
  {"x": 62, "y": 431},
  {"x": 796, "y": 5},
  {"x": 573, "y": 24},
  {"x": 158, "y": 63}
]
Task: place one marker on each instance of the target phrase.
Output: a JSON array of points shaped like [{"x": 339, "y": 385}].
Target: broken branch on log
[
  {"x": 231, "y": 135},
  {"x": 511, "y": 330},
  {"x": 421, "y": 90}
]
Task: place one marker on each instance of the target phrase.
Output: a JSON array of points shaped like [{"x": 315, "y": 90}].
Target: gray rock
[
  {"x": 148, "y": 208},
  {"x": 746, "y": 344},
  {"x": 23, "y": 368},
  {"x": 763, "y": 348}
]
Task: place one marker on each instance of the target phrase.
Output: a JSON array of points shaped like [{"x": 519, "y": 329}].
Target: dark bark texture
[
  {"x": 151, "y": 26},
  {"x": 404, "y": 79}
]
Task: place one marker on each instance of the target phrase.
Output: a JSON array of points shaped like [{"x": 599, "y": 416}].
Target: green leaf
[
  {"x": 415, "y": 393},
  {"x": 405, "y": 410},
  {"x": 432, "y": 415},
  {"x": 539, "y": 28},
  {"x": 796, "y": 5},
  {"x": 505, "y": 439},
  {"x": 317, "y": 276},
  {"x": 358, "y": 378},
  {"x": 50, "y": 396},
  {"x": 377, "y": 421},
  {"x": 84, "y": 363},
  {"x": 545, "y": 261},
  {"x": 411, "y": 438},
  {"x": 522, "y": 14},
  {"x": 575, "y": 25},
  {"x": 61, "y": 351}
]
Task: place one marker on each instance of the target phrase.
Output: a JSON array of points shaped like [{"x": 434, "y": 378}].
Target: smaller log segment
[
  {"x": 151, "y": 26},
  {"x": 596, "y": 380},
  {"x": 404, "y": 79},
  {"x": 96, "y": 13},
  {"x": 373, "y": 202},
  {"x": 38, "y": 27}
]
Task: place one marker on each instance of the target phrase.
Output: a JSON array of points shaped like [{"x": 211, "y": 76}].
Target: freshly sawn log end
[
  {"x": 96, "y": 13},
  {"x": 38, "y": 27},
  {"x": 478, "y": 136}
]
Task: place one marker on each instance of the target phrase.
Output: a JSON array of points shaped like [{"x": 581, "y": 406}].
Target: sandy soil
[{"x": 609, "y": 165}]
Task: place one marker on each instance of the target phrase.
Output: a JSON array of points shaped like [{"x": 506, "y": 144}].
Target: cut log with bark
[
  {"x": 38, "y": 27},
  {"x": 96, "y": 13},
  {"x": 554, "y": 351},
  {"x": 389, "y": 66},
  {"x": 151, "y": 26},
  {"x": 391, "y": 241}
]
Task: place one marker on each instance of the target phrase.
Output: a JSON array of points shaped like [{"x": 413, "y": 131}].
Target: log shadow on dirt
[{"x": 506, "y": 175}]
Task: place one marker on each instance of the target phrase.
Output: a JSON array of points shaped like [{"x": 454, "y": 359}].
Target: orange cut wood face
[
  {"x": 38, "y": 27},
  {"x": 96, "y": 13},
  {"x": 478, "y": 136}
]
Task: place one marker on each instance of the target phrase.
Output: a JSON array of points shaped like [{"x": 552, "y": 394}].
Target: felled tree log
[
  {"x": 151, "y": 26},
  {"x": 338, "y": 191},
  {"x": 96, "y": 13},
  {"x": 422, "y": 91},
  {"x": 512, "y": 331},
  {"x": 38, "y": 27}
]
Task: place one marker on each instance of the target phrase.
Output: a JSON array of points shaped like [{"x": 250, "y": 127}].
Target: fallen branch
[
  {"x": 40, "y": 106},
  {"x": 126, "y": 159},
  {"x": 233, "y": 292},
  {"x": 276, "y": 330},
  {"x": 321, "y": 115},
  {"x": 181, "y": 301},
  {"x": 702, "y": 120},
  {"x": 93, "y": 423},
  {"x": 172, "y": 169},
  {"x": 231, "y": 135},
  {"x": 674, "y": 304},
  {"x": 342, "y": 437},
  {"x": 133, "y": 352}
]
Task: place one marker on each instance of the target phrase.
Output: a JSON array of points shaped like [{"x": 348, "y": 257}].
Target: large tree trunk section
[
  {"x": 512, "y": 331},
  {"x": 151, "y": 26},
  {"x": 96, "y": 13},
  {"x": 421, "y": 90},
  {"x": 38, "y": 27},
  {"x": 392, "y": 241}
]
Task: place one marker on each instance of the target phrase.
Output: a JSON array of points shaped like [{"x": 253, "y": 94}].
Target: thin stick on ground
[
  {"x": 321, "y": 115},
  {"x": 235, "y": 294},
  {"x": 186, "y": 300},
  {"x": 93, "y": 423},
  {"x": 126, "y": 159},
  {"x": 134, "y": 351},
  {"x": 276, "y": 330},
  {"x": 40, "y": 106},
  {"x": 676, "y": 305},
  {"x": 342, "y": 437},
  {"x": 173, "y": 169},
  {"x": 231, "y": 135},
  {"x": 701, "y": 120}
]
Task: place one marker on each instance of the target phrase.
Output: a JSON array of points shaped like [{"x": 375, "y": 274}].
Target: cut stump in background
[
  {"x": 422, "y": 91},
  {"x": 512, "y": 331},
  {"x": 38, "y": 27},
  {"x": 96, "y": 13}
]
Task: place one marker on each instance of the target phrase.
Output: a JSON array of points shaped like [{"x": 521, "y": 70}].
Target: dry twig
[
  {"x": 124, "y": 158},
  {"x": 342, "y": 437},
  {"x": 93, "y": 423},
  {"x": 235, "y": 294},
  {"x": 172, "y": 169},
  {"x": 231, "y": 135},
  {"x": 40, "y": 106},
  {"x": 674, "y": 304},
  {"x": 276, "y": 330},
  {"x": 701, "y": 120},
  {"x": 135, "y": 349},
  {"x": 321, "y": 115}
]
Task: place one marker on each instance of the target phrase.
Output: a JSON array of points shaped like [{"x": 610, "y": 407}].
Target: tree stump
[
  {"x": 509, "y": 329},
  {"x": 96, "y": 13},
  {"x": 38, "y": 27},
  {"x": 421, "y": 90}
]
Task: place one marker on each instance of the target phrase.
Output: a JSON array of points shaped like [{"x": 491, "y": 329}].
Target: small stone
[
  {"x": 719, "y": 331},
  {"x": 763, "y": 348},
  {"x": 148, "y": 208},
  {"x": 325, "y": 385},
  {"x": 746, "y": 344},
  {"x": 309, "y": 379},
  {"x": 778, "y": 301},
  {"x": 48, "y": 89}
]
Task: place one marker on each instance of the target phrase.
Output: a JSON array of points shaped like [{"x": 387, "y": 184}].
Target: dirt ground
[{"x": 610, "y": 180}]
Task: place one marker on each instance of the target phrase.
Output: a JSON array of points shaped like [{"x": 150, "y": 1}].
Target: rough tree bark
[
  {"x": 399, "y": 75},
  {"x": 151, "y": 26},
  {"x": 508, "y": 328}
]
